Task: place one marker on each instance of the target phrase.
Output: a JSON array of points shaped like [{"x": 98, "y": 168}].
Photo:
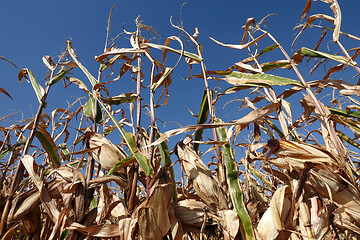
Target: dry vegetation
[{"x": 294, "y": 180}]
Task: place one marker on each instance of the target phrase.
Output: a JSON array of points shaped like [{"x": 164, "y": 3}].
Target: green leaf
[
  {"x": 64, "y": 235},
  {"x": 347, "y": 139},
  {"x": 306, "y": 52},
  {"x": 123, "y": 98},
  {"x": 65, "y": 151},
  {"x": 345, "y": 113},
  {"x": 49, "y": 146},
  {"x": 274, "y": 65},
  {"x": 267, "y": 49},
  {"x": 120, "y": 164},
  {"x": 63, "y": 71},
  {"x": 130, "y": 142},
  {"x": 202, "y": 117},
  {"x": 89, "y": 109},
  {"x": 11, "y": 148},
  {"x": 261, "y": 79},
  {"x": 166, "y": 48},
  {"x": 71, "y": 51},
  {"x": 164, "y": 78},
  {"x": 39, "y": 91},
  {"x": 166, "y": 163},
  {"x": 128, "y": 137},
  {"x": 234, "y": 185},
  {"x": 104, "y": 66}
]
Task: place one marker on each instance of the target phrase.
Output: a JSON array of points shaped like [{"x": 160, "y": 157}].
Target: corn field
[{"x": 104, "y": 169}]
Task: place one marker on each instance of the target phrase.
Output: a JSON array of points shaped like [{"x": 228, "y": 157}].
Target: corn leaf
[
  {"x": 39, "y": 91},
  {"x": 243, "y": 79},
  {"x": 202, "y": 117},
  {"x": 345, "y": 113},
  {"x": 120, "y": 164},
  {"x": 89, "y": 110},
  {"x": 122, "y": 98},
  {"x": 306, "y": 52},
  {"x": 166, "y": 48},
  {"x": 49, "y": 146},
  {"x": 63, "y": 71},
  {"x": 71, "y": 51}
]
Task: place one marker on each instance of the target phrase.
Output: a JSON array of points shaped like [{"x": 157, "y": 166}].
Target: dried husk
[
  {"x": 105, "y": 152},
  {"x": 277, "y": 218},
  {"x": 206, "y": 186}
]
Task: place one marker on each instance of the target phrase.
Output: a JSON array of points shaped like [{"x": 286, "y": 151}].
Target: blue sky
[{"x": 32, "y": 29}]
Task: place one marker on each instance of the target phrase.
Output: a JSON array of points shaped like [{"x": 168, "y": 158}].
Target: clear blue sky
[{"x": 32, "y": 29}]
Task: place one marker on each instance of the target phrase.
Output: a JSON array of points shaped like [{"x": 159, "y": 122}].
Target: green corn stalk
[{"x": 233, "y": 181}]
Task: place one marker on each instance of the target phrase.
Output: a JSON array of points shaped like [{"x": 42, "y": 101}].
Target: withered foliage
[{"x": 66, "y": 175}]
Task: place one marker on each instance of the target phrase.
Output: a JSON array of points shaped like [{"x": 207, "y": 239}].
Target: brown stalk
[
  {"x": 152, "y": 115},
  {"x": 19, "y": 173},
  {"x": 138, "y": 126}
]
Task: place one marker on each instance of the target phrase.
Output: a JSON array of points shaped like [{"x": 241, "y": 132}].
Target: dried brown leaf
[
  {"x": 249, "y": 118},
  {"x": 241, "y": 46},
  {"x": 306, "y": 9}
]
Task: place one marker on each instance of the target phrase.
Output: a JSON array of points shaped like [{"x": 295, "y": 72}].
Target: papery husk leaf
[
  {"x": 277, "y": 219},
  {"x": 153, "y": 216},
  {"x": 48, "y": 204},
  {"x": 100, "y": 231},
  {"x": 107, "y": 154},
  {"x": 190, "y": 213},
  {"x": 206, "y": 186},
  {"x": 320, "y": 218},
  {"x": 26, "y": 206},
  {"x": 336, "y": 186},
  {"x": 127, "y": 228},
  {"x": 295, "y": 155},
  {"x": 230, "y": 223}
]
